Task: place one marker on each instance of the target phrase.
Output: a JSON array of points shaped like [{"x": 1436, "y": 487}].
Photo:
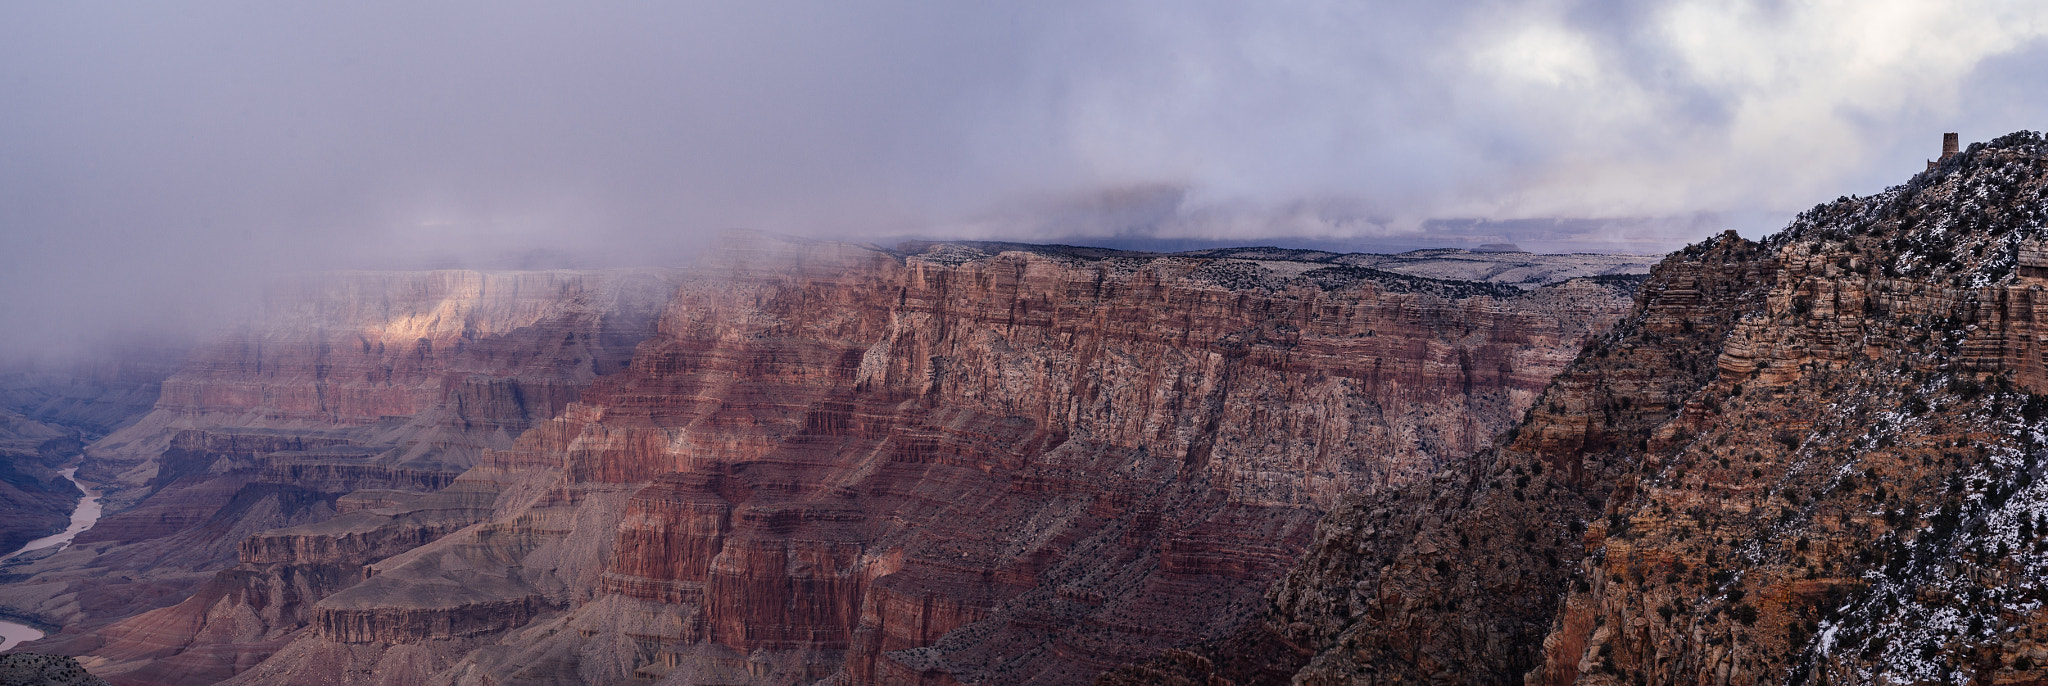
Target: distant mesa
[{"x": 1499, "y": 247}]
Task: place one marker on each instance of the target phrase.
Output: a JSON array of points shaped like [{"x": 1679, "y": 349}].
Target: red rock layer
[{"x": 409, "y": 625}]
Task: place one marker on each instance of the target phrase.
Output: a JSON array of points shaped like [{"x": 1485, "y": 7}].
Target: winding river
[{"x": 81, "y": 519}]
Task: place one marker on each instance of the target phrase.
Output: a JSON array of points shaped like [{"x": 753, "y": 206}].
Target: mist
[{"x": 159, "y": 161}]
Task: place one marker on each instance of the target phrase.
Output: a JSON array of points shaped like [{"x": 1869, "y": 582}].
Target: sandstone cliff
[{"x": 1810, "y": 459}]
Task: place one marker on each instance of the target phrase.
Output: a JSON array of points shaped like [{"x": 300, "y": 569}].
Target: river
[
  {"x": 12, "y": 633},
  {"x": 82, "y": 518}
]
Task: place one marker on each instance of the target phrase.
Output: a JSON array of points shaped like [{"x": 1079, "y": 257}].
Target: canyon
[
  {"x": 345, "y": 383},
  {"x": 34, "y": 492},
  {"x": 83, "y": 515},
  {"x": 1808, "y": 458},
  {"x": 944, "y": 463}
]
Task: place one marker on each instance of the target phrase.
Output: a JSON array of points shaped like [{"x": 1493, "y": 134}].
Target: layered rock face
[
  {"x": 1808, "y": 460},
  {"x": 354, "y": 391},
  {"x": 950, "y": 466}
]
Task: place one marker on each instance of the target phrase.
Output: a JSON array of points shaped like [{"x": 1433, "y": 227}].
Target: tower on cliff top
[{"x": 1950, "y": 144}]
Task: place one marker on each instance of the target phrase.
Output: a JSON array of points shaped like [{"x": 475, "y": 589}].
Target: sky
[{"x": 157, "y": 158}]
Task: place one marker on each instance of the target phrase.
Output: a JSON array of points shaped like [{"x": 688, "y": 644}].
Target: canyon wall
[
  {"x": 1021, "y": 467},
  {"x": 831, "y": 461},
  {"x": 1810, "y": 459}
]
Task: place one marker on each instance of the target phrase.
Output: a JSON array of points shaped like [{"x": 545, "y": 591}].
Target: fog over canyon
[
  {"x": 1119, "y": 342},
  {"x": 805, "y": 461}
]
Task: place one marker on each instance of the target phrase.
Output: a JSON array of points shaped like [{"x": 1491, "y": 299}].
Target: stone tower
[{"x": 1950, "y": 144}]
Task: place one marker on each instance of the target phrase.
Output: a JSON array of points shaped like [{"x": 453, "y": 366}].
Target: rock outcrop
[
  {"x": 1854, "y": 498},
  {"x": 32, "y": 669}
]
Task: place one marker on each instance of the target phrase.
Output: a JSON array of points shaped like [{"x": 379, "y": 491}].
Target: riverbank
[{"x": 82, "y": 517}]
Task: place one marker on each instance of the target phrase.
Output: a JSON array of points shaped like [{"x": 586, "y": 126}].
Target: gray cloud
[{"x": 157, "y": 159}]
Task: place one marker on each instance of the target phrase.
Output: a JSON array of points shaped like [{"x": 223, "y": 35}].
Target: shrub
[{"x": 1744, "y": 613}]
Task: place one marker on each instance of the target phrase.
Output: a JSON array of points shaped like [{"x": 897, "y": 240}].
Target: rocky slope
[
  {"x": 832, "y": 461},
  {"x": 1809, "y": 459},
  {"x": 29, "y": 669},
  {"x": 351, "y": 389},
  {"x": 1855, "y": 494}
]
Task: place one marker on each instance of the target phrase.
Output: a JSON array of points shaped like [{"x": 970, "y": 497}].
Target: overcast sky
[{"x": 152, "y": 149}]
